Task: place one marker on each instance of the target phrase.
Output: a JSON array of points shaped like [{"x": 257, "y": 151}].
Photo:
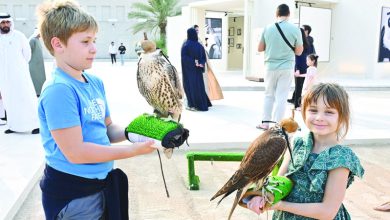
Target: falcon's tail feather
[
  {"x": 236, "y": 200},
  {"x": 228, "y": 188}
]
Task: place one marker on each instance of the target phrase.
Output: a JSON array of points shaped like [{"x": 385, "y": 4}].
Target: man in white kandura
[{"x": 16, "y": 86}]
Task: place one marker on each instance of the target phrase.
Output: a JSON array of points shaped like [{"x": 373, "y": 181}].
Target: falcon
[
  {"x": 159, "y": 82},
  {"x": 259, "y": 160}
]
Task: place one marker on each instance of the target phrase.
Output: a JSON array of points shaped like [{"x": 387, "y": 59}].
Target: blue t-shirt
[{"x": 66, "y": 102}]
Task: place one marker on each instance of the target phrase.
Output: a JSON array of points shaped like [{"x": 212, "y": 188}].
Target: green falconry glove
[
  {"x": 275, "y": 188},
  {"x": 170, "y": 133}
]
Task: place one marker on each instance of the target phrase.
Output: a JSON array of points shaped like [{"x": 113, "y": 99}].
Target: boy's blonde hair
[
  {"x": 61, "y": 19},
  {"x": 334, "y": 96}
]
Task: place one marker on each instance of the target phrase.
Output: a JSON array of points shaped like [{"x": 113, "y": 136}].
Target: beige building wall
[
  {"x": 355, "y": 41},
  {"x": 354, "y": 36},
  {"x": 111, "y": 16},
  {"x": 236, "y": 46}
]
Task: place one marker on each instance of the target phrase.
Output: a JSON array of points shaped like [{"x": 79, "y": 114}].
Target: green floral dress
[{"x": 310, "y": 172}]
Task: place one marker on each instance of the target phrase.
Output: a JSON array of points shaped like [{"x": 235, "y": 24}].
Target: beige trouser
[
  {"x": 277, "y": 87},
  {"x": 2, "y": 111}
]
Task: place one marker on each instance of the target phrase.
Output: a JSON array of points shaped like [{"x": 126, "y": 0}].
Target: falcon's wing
[
  {"x": 259, "y": 160},
  {"x": 154, "y": 84},
  {"x": 145, "y": 85},
  {"x": 263, "y": 155},
  {"x": 173, "y": 76}
]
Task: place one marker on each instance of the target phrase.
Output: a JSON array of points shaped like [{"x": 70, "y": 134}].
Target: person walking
[
  {"x": 17, "y": 89},
  {"x": 310, "y": 49},
  {"x": 193, "y": 60},
  {"x": 36, "y": 64},
  {"x": 213, "y": 89},
  {"x": 2, "y": 112},
  {"x": 279, "y": 60},
  {"x": 300, "y": 68},
  {"x": 122, "y": 52},
  {"x": 112, "y": 50}
]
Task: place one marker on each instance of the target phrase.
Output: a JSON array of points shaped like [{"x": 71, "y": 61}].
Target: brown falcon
[
  {"x": 259, "y": 160},
  {"x": 159, "y": 82}
]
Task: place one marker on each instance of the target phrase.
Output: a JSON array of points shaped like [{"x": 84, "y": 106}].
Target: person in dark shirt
[
  {"x": 310, "y": 49},
  {"x": 300, "y": 68},
  {"x": 384, "y": 42},
  {"x": 122, "y": 51}
]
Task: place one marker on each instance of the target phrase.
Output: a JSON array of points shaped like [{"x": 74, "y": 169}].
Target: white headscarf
[
  {"x": 35, "y": 34},
  {"x": 7, "y": 17}
]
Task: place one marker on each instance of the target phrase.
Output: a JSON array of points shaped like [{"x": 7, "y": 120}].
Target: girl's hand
[
  {"x": 257, "y": 204},
  {"x": 297, "y": 73}
]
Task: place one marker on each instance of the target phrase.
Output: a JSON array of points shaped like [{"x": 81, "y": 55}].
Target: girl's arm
[
  {"x": 335, "y": 189},
  {"x": 301, "y": 75},
  {"x": 70, "y": 141}
]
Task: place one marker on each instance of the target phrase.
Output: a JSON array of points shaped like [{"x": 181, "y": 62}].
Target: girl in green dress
[{"x": 323, "y": 169}]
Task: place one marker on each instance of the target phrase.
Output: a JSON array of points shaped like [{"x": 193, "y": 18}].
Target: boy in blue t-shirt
[{"x": 76, "y": 127}]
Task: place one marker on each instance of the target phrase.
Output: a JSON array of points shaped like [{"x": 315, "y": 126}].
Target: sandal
[
  {"x": 385, "y": 207},
  {"x": 262, "y": 127}
]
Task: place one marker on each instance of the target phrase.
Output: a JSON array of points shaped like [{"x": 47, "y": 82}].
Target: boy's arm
[
  {"x": 114, "y": 132},
  {"x": 70, "y": 141},
  {"x": 335, "y": 189}
]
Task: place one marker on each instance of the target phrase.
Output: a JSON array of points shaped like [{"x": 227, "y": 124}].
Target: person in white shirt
[
  {"x": 112, "y": 50},
  {"x": 17, "y": 89}
]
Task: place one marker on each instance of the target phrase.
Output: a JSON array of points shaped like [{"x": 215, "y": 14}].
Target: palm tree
[{"x": 152, "y": 16}]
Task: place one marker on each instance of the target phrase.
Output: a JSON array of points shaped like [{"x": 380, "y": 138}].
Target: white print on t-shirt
[{"x": 96, "y": 109}]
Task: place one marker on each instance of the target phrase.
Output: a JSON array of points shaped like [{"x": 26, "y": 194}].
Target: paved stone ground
[
  {"x": 147, "y": 194},
  {"x": 147, "y": 198}
]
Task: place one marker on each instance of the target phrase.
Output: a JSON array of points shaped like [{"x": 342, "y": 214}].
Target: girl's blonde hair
[
  {"x": 61, "y": 19},
  {"x": 334, "y": 96}
]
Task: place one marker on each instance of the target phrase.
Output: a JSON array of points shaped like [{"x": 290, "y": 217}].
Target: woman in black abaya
[{"x": 193, "y": 59}]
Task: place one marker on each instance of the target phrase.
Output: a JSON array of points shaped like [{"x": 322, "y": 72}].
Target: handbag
[{"x": 284, "y": 37}]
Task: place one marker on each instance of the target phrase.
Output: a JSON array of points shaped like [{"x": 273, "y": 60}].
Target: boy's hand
[
  {"x": 257, "y": 204},
  {"x": 143, "y": 147}
]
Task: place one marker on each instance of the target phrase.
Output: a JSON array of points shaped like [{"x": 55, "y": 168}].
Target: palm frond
[{"x": 154, "y": 14}]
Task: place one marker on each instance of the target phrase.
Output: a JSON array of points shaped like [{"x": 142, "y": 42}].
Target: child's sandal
[{"x": 385, "y": 207}]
